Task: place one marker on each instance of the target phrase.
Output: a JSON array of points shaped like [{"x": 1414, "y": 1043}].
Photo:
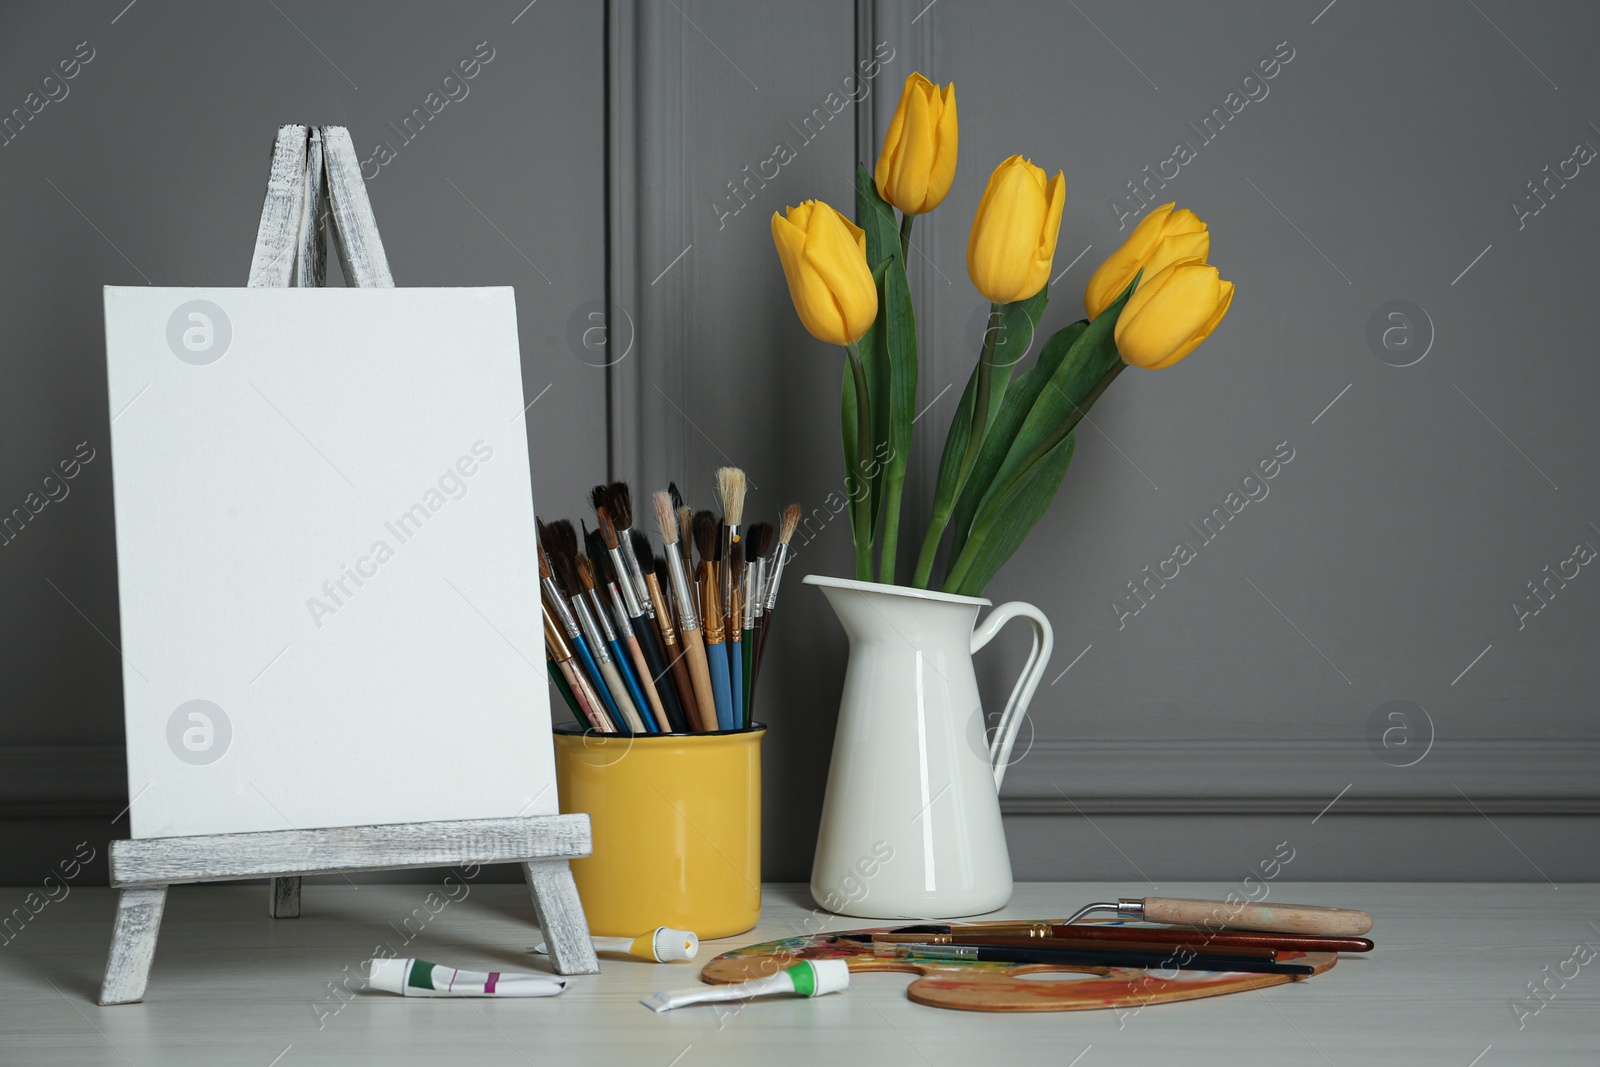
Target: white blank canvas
[{"x": 326, "y": 559}]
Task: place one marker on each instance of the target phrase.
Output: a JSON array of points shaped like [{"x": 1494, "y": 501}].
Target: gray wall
[{"x": 590, "y": 163}]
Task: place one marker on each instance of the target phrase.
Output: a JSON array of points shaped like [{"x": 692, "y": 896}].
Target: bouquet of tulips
[{"x": 1150, "y": 304}]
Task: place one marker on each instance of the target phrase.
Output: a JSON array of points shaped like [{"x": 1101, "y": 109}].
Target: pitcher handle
[{"x": 1005, "y": 734}]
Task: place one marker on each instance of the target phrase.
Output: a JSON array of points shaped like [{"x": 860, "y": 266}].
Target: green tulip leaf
[
  {"x": 1003, "y": 524},
  {"x": 1018, "y": 321},
  {"x": 1002, "y": 435},
  {"x": 873, "y": 350},
  {"x": 875, "y": 215},
  {"x": 900, "y": 335},
  {"x": 1091, "y": 354}
]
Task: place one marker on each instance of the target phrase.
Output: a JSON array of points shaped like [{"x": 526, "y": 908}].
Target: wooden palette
[{"x": 971, "y": 985}]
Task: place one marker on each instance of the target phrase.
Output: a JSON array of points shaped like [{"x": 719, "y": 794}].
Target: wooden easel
[{"x": 314, "y": 168}]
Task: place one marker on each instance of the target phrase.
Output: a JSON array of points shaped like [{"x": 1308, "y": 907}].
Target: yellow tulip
[
  {"x": 824, "y": 258},
  {"x": 1014, "y": 232},
  {"x": 1161, "y": 239},
  {"x": 918, "y": 161},
  {"x": 1168, "y": 316}
]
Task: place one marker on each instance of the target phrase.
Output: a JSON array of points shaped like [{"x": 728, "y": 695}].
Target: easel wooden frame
[{"x": 315, "y": 172}]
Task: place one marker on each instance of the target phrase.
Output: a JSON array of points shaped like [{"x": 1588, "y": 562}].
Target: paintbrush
[
  {"x": 1142, "y": 938},
  {"x": 736, "y": 637},
  {"x": 759, "y": 539},
  {"x": 704, "y": 706},
  {"x": 618, "y": 503},
  {"x": 706, "y": 543},
  {"x": 593, "y": 615},
  {"x": 608, "y": 682},
  {"x": 580, "y": 694},
  {"x": 1103, "y": 957},
  {"x": 638, "y": 672},
  {"x": 671, "y": 650},
  {"x": 651, "y": 668},
  {"x": 730, "y": 491},
  {"x": 556, "y": 602},
  {"x": 685, "y": 518},
  {"x": 788, "y": 522}
]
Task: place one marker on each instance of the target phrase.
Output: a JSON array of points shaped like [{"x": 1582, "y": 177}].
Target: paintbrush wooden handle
[
  {"x": 1279, "y": 918},
  {"x": 619, "y": 693},
  {"x": 678, "y": 664},
  {"x": 700, "y": 674}
]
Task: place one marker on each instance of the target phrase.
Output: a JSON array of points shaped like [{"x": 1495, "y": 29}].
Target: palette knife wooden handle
[{"x": 1277, "y": 918}]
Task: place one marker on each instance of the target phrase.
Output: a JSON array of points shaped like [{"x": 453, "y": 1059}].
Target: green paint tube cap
[{"x": 813, "y": 978}]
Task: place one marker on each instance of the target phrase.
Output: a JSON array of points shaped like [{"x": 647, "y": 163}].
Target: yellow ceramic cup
[{"x": 677, "y": 828}]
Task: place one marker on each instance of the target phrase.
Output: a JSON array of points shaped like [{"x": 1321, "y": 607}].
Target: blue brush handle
[
  {"x": 736, "y": 682},
  {"x": 630, "y": 678},
  {"x": 582, "y": 645},
  {"x": 721, "y": 692}
]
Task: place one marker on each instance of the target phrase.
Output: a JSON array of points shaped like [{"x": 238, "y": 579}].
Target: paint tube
[
  {"x": 661, "y": 945},
  {"x": 809, "y": 978},
  {"x": 419, "y": 978}
]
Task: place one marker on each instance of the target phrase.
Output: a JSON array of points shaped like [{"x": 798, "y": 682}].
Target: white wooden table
[{"x": 231, "y": 985}]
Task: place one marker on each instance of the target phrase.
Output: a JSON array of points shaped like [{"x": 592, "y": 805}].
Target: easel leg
[
  {"x": 560, "y": 915},
  {"x": 285, "y": 902},
  {"x": 133, "y": 944}
]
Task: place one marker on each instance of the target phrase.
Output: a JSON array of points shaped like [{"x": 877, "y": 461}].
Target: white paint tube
[
  {"x": 809, "y": 978},
  {"x": 419, "y": 978},
  {"x": 661, "y": 945}
]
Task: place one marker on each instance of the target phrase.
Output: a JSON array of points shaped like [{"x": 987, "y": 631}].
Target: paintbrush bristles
[
  {"x": 608, "y": 532},
  {"x": 677, "y": 497},
  {"x": 598, "y": 495},
  {"x": 563, "y": 537},
  {"x": 666, "y": 517},
  {"x": 730, "y": 490},
  {"x": 789, "y": 522},
  {"x": 686, "y": 524},
  {"x": 544, "y": 564},
  {"x": 761, "y": 536},
  {"x": 585, "y": 573},
  {"x": 705, "y": 536},
  {"x": 619, "y": 501}
]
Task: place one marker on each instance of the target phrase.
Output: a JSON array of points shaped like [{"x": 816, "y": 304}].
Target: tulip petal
[
  {"x": 836, "y": 250},
  {"x": 1044, "y": 253},
  {"x": 1165, "y": 312},
  {"x": 1005, "y": 230},
  {"x": 1224, "y": 302},
  {"x": 812, "y": 302},
  {"x": 947, "y": 139},
  {"x": 1117, "y": 272},
  {"x": 915, "y": 155}
]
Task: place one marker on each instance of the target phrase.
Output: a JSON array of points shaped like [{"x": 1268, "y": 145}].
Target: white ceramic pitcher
[{"x": 911, "y": 822}]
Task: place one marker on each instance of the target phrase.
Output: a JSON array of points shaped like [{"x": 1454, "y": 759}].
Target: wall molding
[
  {"x": 1055, "y": 777},
  {"x": 1523, "y": 777}
]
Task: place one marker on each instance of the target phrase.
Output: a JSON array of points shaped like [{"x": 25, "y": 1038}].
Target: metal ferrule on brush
[
  {"x": 619, "y": 605},
  {"x": 758, "y": 588},
  {"x": 624, "y": 582},
  {"x": 778, "y": 561},
  {"x": 715, "y": 628},
  {"x": 600, "y": 636},
  {"x": 680, "y": 589},
  {"x": 663, "y": 614},
  {"x": 749, "y": 594},
  {"x": 557, "y": 602},
  {"x": 632, "y": 574}
]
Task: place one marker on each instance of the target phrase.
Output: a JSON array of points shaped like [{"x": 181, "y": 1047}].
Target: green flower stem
[
  {"x": 861, "y": 510},
  {"x": 895, "y": 475},
  {"x": 969, "y": 552},
  {"x": 980, "y": 424}
]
